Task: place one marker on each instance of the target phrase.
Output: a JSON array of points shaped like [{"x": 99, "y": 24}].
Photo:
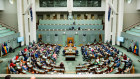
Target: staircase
[
  {"x": 133, "y": 29},
  {"x": 5, "y": 31}
]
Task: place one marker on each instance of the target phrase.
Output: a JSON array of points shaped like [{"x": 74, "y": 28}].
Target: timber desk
[{"x": 70, "y": 53}]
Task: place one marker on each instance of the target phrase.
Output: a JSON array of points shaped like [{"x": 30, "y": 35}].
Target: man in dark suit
[{"x": 70, "y": 41}]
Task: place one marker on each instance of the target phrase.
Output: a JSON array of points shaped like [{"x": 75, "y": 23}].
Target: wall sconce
[
  {"x": 64, "y": 33},
  {"x": 76, "y": 33},
  {"x": 9, "y": 41},
  {"x": 131, "y": 41},
  {"x": 14, "y": 39}
]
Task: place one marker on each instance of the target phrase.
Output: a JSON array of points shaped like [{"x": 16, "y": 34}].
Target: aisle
[{"x": 70, "y": 65}]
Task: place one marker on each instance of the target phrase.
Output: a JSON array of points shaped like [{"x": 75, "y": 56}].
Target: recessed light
[{"x": 11, "y": 1}]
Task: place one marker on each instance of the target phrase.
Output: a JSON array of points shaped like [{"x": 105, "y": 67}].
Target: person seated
[
  {"x": 16, "y": 57},
  {"x": 25, "y": 58},
  {"x": 111, "y": 53},
  {"x": 74, "y": 23},
  {"x": 12, "y": 64},
  {"x": 98, "y": 60},
  {"x": 111, "y": 70},
  {"x": 22, "y": 61},
  {"x": 108, "y": 51},
  {"x": 85, "y": 53},
  {"x": 108, "y": 61},
  {"x": 116, "y": 58},
  {"x": 42, "y": 61},
  {"x": 95, "y": 55},
  {"x": 79, "y": 28},
  {"x": 86, "y": 57},
  {"x": 127, "y": 70},
  {"x": 24, "y": 67},
  {"x": 128, "y": 63},
  {"x": 25, "y": 49},
  {"x": 125, "y": 57},
  {"x": 36, "y": 55},
  {"x": 61, "y": 65},
  {"x": 12, "y": 70},
  {"x": 76, "y": 52},
  {"x": 118, "y": 51},
  {"x": 70, "y": 41},
  {"x": 64, "y": 52},
  {"x": 72, "y": 28},
  {"x": 55, "y": 55},
  {"x": 130, "y": 49},
  {"x": 117, "y": 64}
]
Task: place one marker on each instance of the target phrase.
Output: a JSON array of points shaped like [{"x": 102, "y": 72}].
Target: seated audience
[
  {"x": 24, "y": 67},
  {"x": 125, "y": 57},
  {"x": 117, "y": 64}
]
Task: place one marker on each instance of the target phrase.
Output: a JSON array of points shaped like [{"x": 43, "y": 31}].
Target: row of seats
[
  {"x": 103, "y": 59},
  {"x": 134, "y": 31},
  {"x": 37, "y": 59},
  {"x": 70, "y": 21},
  {"x": 69, "y": 26},
  {"x": 5, "y": 32}
]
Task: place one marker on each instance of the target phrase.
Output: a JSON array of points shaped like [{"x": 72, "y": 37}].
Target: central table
[{"x": 70, "y": 57}]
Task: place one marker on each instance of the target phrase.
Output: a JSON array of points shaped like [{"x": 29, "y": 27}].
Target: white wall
[
  {"x": 138, "y": 4},
  {"x": 9, "y": 14},
  {"x": 131, "y": 14},
  {"x": 1, "y": 4}
]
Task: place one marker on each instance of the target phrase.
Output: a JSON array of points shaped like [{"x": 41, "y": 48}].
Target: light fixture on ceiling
[
  {"x": 11, "y": 1},
  {"x": 129, "y": 1}
]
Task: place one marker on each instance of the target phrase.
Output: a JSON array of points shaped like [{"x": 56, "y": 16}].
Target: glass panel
[
  {"x": 87, "y": 3},
  {"x": 53, "y": 3}
]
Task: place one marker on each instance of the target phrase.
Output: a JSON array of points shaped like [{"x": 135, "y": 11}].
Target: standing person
[
  {"x": 8, "y": 77},
  {"x": 61, "y": 65},
  {"x": 74, "y": 23}
]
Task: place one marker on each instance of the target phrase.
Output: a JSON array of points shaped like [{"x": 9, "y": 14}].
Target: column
[
  {"x": 96, "y": 15},
  {"x": 82, "y": 16},
  {"x": 51, "y": 16},
  {"x": 65, "y": 16},
  {"x": 44, "y": 16},
  {"x": 107, "y": 25},
  {"x": 33, "y": 34},
  {"x": 58, "y": 16},
  {"x": 20, "y": 19},
  {"x": 120, "y": 19},
  {"x": 69, "y": 8},
  {"x": 70, "y": 17},
  {"x": 114, "y": 23},
  {"x": 75, "y": 16},
  {"x": 89, "y": 16},
  {"x": 26, "y": 24}
]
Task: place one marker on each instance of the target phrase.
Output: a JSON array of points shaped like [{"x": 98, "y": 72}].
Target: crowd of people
[
  {"x": 105, "y": 54},
  {"x": 44, "y": 54}
]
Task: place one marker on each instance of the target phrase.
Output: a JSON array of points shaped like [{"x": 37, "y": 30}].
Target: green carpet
[
  {"x": 70, "y": 66},
  {"x": 6, "y": 58},
  {"x": 133, "y": 57}
]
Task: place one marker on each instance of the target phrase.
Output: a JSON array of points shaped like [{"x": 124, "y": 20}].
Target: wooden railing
[
  {"x": 131, "y": 26},
  {"x": 9, "y": 27}
]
